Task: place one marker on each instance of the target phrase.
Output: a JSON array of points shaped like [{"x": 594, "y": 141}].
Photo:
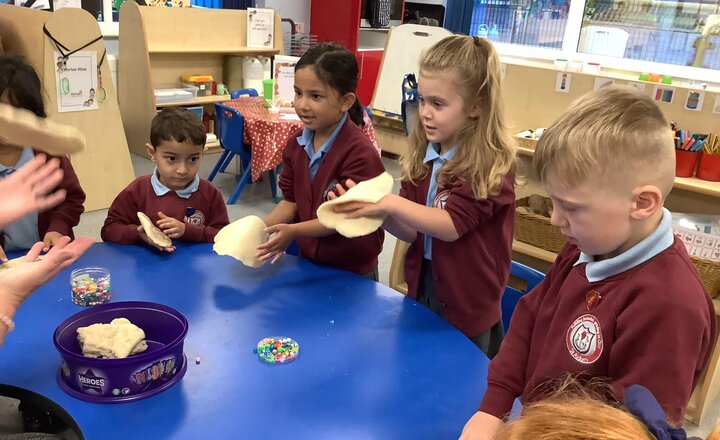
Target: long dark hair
[
  {"x": 22, "y": 84},
  {"x": 338, "y": 68}
]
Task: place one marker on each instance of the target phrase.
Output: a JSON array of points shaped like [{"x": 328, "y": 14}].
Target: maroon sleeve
[
  {"x": 217, "y": 219},
  {"x": 467, "y": 212},
  {"x": 363, "y": 163},
  {"x": 506, "y": 375},
  {"x": 287, "y": 176},
  {"x": 662, "y": 342},
  {"x": 122, "y": 222},
  {"x": 66, "y": 215}
]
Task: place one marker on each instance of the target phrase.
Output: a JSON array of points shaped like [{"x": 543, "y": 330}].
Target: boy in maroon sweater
[
  {"x": 622, "y": 301},
  {"x": 181, "y": 204}
]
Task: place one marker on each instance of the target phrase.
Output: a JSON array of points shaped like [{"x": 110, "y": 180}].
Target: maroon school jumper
[
  {"x": 63, "y": 217},
  {"x": 207, "y": 215},
  {"x": 653, "y": 325},
  {"x": 352, "y": 156},
  {"x": 471, "y": 272}
]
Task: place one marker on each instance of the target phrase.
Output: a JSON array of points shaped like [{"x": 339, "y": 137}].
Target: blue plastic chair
[
  {"x": 231, "y": 126},
  {"x": 512, "y": 295},
  {"x": 235, "y": 94}
]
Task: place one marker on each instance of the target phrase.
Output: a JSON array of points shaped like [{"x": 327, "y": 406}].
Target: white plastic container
[{"x": 253, "y": 74}]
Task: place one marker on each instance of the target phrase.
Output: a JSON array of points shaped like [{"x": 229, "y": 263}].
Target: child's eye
[
  {"x": 194, "y": 159},
  {"x": 421, "y": 100},
  {"x": 169, "y": 158},
  {"x": 438, "y": 104},
  {"x": 316, "y": 97},
  {"x": 297, "y": 93}
]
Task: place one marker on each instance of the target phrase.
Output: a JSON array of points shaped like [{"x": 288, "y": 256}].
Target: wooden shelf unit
[
  {"x": 158, "y": 45},
  {"x": 692, "y": 184},
  {"x": 200, "y": 100}
]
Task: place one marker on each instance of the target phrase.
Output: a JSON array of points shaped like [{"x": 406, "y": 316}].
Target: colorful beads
[
  {"x": 90, "y": 286},
  {"x": 277, "y": 350}
]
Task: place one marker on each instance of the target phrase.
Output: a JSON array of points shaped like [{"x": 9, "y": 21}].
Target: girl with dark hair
[{"x": 330, "y": 149}]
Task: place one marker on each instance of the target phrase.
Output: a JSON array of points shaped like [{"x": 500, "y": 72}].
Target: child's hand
[
  {"x": 275, "y": 247},
  {"x": 357, "y": 209},
  {"x": 363, "y": 209},
  {"x": 172, "y": 227},
  {"x": 147, "y": 240},
  {"x": 481, "y": 426},
  {"x": 349, "y": 183},
  {"x": 50, "y": 239}
]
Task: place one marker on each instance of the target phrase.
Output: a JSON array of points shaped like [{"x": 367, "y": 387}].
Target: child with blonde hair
[
  {"x": 456, "y": 204},
  {"x": 622, "y": 301}
]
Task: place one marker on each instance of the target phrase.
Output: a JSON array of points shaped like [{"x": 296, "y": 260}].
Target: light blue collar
[
  {"x": 308, "y": 136},
  {"x": 26, "y": 156},
  {"x": 161, "y": 190},
  {"x": 433, "y": 152},
  {"x": 655, "y": 243}
]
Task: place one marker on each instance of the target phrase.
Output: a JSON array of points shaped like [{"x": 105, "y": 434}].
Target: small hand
[
  {"x": 340, "y": 190},
  {"x": 171, "y": 226},
  {"x": 481, "y": 426},
  {"x": 363, "y": 209},
  {"x": 50, "y": 239},
  {"x": 147, "y": 240},
  {"x": 275, "y": 247}
]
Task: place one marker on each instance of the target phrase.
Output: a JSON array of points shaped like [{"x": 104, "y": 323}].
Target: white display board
[{"x": 403, "y": 48}]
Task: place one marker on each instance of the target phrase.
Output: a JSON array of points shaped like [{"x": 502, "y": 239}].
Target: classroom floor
[{"x": 256, "y": 199}]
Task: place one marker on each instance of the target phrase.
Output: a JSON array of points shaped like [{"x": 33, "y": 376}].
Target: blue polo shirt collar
[
  {"x": 652, "y": 245},
  {"x": 161, "y": 190}
]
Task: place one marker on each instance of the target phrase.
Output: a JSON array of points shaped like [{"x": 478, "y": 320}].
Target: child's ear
[
  {"x": 347, "y": 101},
  {"x": 648, "y": 199},
  {"x": 151, "y": 152}
]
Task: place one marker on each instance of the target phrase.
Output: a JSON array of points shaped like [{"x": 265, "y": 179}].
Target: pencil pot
[
  {"x": 685, "y": 162},
  {"x": 709, "y": 167}
]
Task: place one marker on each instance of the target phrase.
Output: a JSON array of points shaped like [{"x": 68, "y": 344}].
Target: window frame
[{"x": 569, "y": 51}]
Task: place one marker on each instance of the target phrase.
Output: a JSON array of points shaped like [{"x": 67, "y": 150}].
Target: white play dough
[
  {"x": 371, "y": 191},
  {"x": 23, "y": 128},
  {"x": 117, "y": 340},
  {"x": 154, "y": 234},
  {"x": 241, "y": 238}
]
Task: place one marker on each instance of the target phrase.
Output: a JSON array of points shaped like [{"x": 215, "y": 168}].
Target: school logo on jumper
[
  {"x": 441, "y": 199},
  {"x": 584, "y": 339},
  {"x": 90, "y": 381},
  {"x": 194, "y": 217},
  {"x": 330, "y": 189}
]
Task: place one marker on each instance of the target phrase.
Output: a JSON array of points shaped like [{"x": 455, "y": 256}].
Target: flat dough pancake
[
  {"x": 23, "y": 128},
  {"x": 240, "y": 240},
  {"x": 156, "y": 235},
  {"x": 370, "y": 191}
]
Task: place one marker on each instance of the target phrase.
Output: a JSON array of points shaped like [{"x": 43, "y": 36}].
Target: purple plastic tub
[{"x": 133, "y": 378}]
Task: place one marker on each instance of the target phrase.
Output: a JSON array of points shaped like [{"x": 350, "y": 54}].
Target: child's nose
[{"x": 557, "y": 220}]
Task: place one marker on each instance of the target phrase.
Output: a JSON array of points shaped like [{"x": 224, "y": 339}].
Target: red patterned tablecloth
[{"x": 267, "y": 133}]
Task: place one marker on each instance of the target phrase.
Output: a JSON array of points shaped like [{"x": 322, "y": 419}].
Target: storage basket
[
  {"x": 709, "y": 274},
  {"x": 535, "y": 229}
]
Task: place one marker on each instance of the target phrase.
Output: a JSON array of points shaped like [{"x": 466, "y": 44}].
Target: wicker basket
[
  {"x": 536, "y": 229},
  {"x": 709, "y": 274}
]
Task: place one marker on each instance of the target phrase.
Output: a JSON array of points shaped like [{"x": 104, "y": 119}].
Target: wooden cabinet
[
  {"x": 158, "y": 45},
  {"x": 348, "y": 25}
]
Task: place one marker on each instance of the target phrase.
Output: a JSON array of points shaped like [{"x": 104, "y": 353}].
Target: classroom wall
[{"x": 297, "y": 10}]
